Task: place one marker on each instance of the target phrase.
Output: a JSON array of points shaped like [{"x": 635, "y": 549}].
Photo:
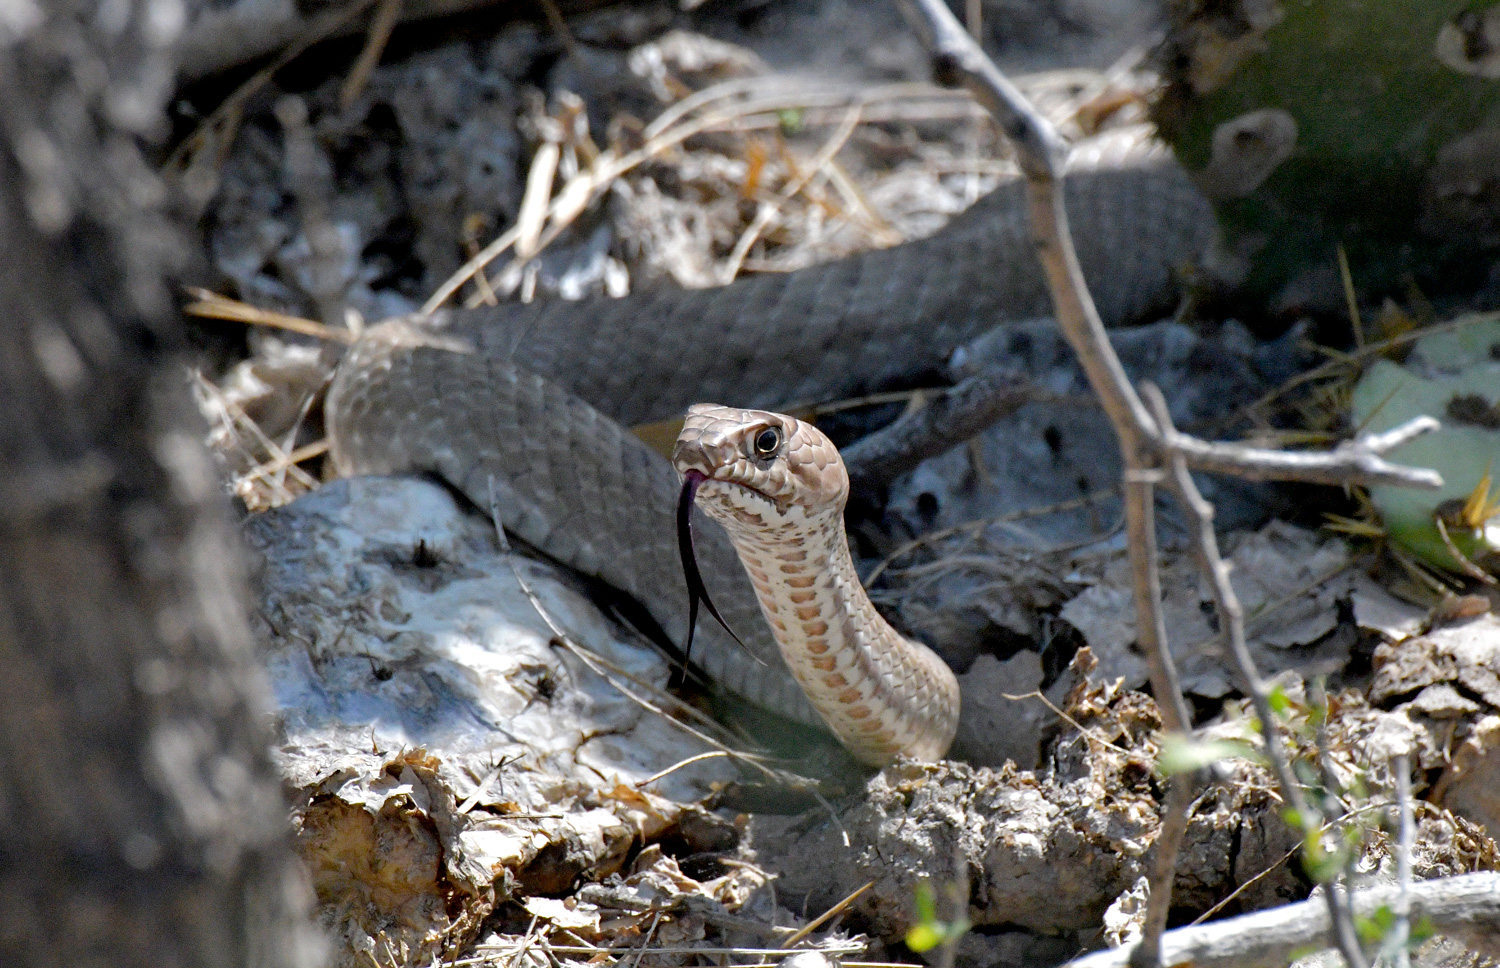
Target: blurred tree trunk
[{"x": 141, "y": 821}]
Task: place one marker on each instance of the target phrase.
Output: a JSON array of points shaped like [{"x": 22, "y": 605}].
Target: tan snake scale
[{"x": 540, "y": 404}]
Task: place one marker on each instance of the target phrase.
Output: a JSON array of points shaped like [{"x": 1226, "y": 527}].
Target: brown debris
[{"x": 384, "y": 866}]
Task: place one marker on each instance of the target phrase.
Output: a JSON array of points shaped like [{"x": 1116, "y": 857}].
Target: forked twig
[
  {"x": 1153, "y": 452},
  {"x": 1232, "y": 619}
]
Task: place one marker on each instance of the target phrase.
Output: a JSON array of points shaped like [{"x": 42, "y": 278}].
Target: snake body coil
[{"x": 537, "y": 405}]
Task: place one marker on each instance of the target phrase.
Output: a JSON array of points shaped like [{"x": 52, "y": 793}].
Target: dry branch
[
  {"x": 961, "y": 412},
  {"x": 1465, "y": 908},
  {"x": 1153, "y": 452}
]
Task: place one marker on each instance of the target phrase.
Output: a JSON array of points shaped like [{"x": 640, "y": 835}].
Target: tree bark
[{"x": 141, "y": 820}]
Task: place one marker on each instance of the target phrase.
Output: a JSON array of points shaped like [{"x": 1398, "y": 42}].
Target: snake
[
  {"x": 778, "y": 487},
  {"x": 524, "y": 408}
]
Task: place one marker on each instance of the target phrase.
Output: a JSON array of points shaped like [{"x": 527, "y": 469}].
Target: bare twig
[
  {"x": 1041, "y": 155},
  {"x": 823, "y": 918},
  {"x": 1406, "y": 832},
  {"x": 1152, "y": 451},
  {"x": 1465, "y": 908},
  {"x": 1232, "y": 619},
  {"x": 1174, "y": 823},
  {"x": 1357, "y": 461}
]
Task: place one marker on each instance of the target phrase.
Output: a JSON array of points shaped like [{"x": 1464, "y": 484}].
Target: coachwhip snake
[
  {"x": 778, "y": 487},
  {"x": 535, "y": 412}
]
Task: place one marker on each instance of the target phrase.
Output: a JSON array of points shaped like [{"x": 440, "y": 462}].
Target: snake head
[
  {"x": 757, "y": 472},
  {"x": 760, "y": 468}
]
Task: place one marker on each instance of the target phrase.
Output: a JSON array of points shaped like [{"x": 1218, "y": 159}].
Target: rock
[{"x": 445, "y": 747}]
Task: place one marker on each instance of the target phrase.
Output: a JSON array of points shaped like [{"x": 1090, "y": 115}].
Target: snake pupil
[{"x": 767, "y": 442}]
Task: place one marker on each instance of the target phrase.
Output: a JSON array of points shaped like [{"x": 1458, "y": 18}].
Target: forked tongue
[{"x": 697, "y": 591}]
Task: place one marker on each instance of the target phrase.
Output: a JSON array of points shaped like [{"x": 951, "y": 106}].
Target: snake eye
[{"x": 767, "y": 443}]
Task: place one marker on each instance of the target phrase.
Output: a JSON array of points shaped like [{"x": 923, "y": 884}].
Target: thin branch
[
  {"x": 1041, "y": 154},
  {"x": 1145, "y": 579},
  {"x": 1406, "y": 833},
  {"x": 1148, "y": 443},
  {"x": 1357, "y": 461},
  {"x": 1174, "y": 824},
  {"x": 1465, "y": 908},
  {"x": 1232, "y": 619},
  {"x": 958, "y": 414}
]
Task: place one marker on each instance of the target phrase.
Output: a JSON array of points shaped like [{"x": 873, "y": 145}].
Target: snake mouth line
[{"x": 744, "y": 488}]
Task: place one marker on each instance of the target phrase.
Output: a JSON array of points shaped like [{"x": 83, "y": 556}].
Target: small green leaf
[
  {"x": 1280, "y": 704},
  {"x": 1322, "y": 865},
  {"x": 1182, "y": 754},
  {"x": 1374, "y": 928},
  {"x": 926, "y": 904},
  {"x": 923, "y": 937}
]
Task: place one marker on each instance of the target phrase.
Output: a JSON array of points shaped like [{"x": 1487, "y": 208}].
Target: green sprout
[{"x": 930, "y": 931}]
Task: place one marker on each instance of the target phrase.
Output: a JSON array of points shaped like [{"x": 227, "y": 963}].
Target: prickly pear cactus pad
[
  {"x": 1453, "y": 375},
  {"x": 1372, "y": 124}
]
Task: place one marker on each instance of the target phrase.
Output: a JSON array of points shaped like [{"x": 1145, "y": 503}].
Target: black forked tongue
[{"x": 693, "y": 577}]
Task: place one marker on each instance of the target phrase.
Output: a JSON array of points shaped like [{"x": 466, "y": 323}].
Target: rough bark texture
[{"x": 140, "y": 819}]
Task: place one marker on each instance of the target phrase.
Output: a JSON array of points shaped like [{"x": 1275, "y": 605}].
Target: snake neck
[{"x": 882, "y": 694}]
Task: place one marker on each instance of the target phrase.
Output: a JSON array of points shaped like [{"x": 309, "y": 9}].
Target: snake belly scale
[{"x": 778, "y": 486}]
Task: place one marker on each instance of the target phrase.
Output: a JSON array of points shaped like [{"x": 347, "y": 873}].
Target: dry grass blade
[
  {"x": 235, "y": 414},
  {"x": 379, "y": 34},
  {"x": 1336, "y": 367},
  {"x": 304, "y": 453},
  {"x": 1084, "y": 731},
  {"x": 770, "y": 210},
  {"x": 532, "y": 217},
  {"x": 211, "y": 305},
  {"x": 823, "y": 918},
  {"x": 612, "y": 674},
  {"x": 932, "y": 537},
  {"x": 763, "y": 111},
  {"x": 711, "y": 754}
]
